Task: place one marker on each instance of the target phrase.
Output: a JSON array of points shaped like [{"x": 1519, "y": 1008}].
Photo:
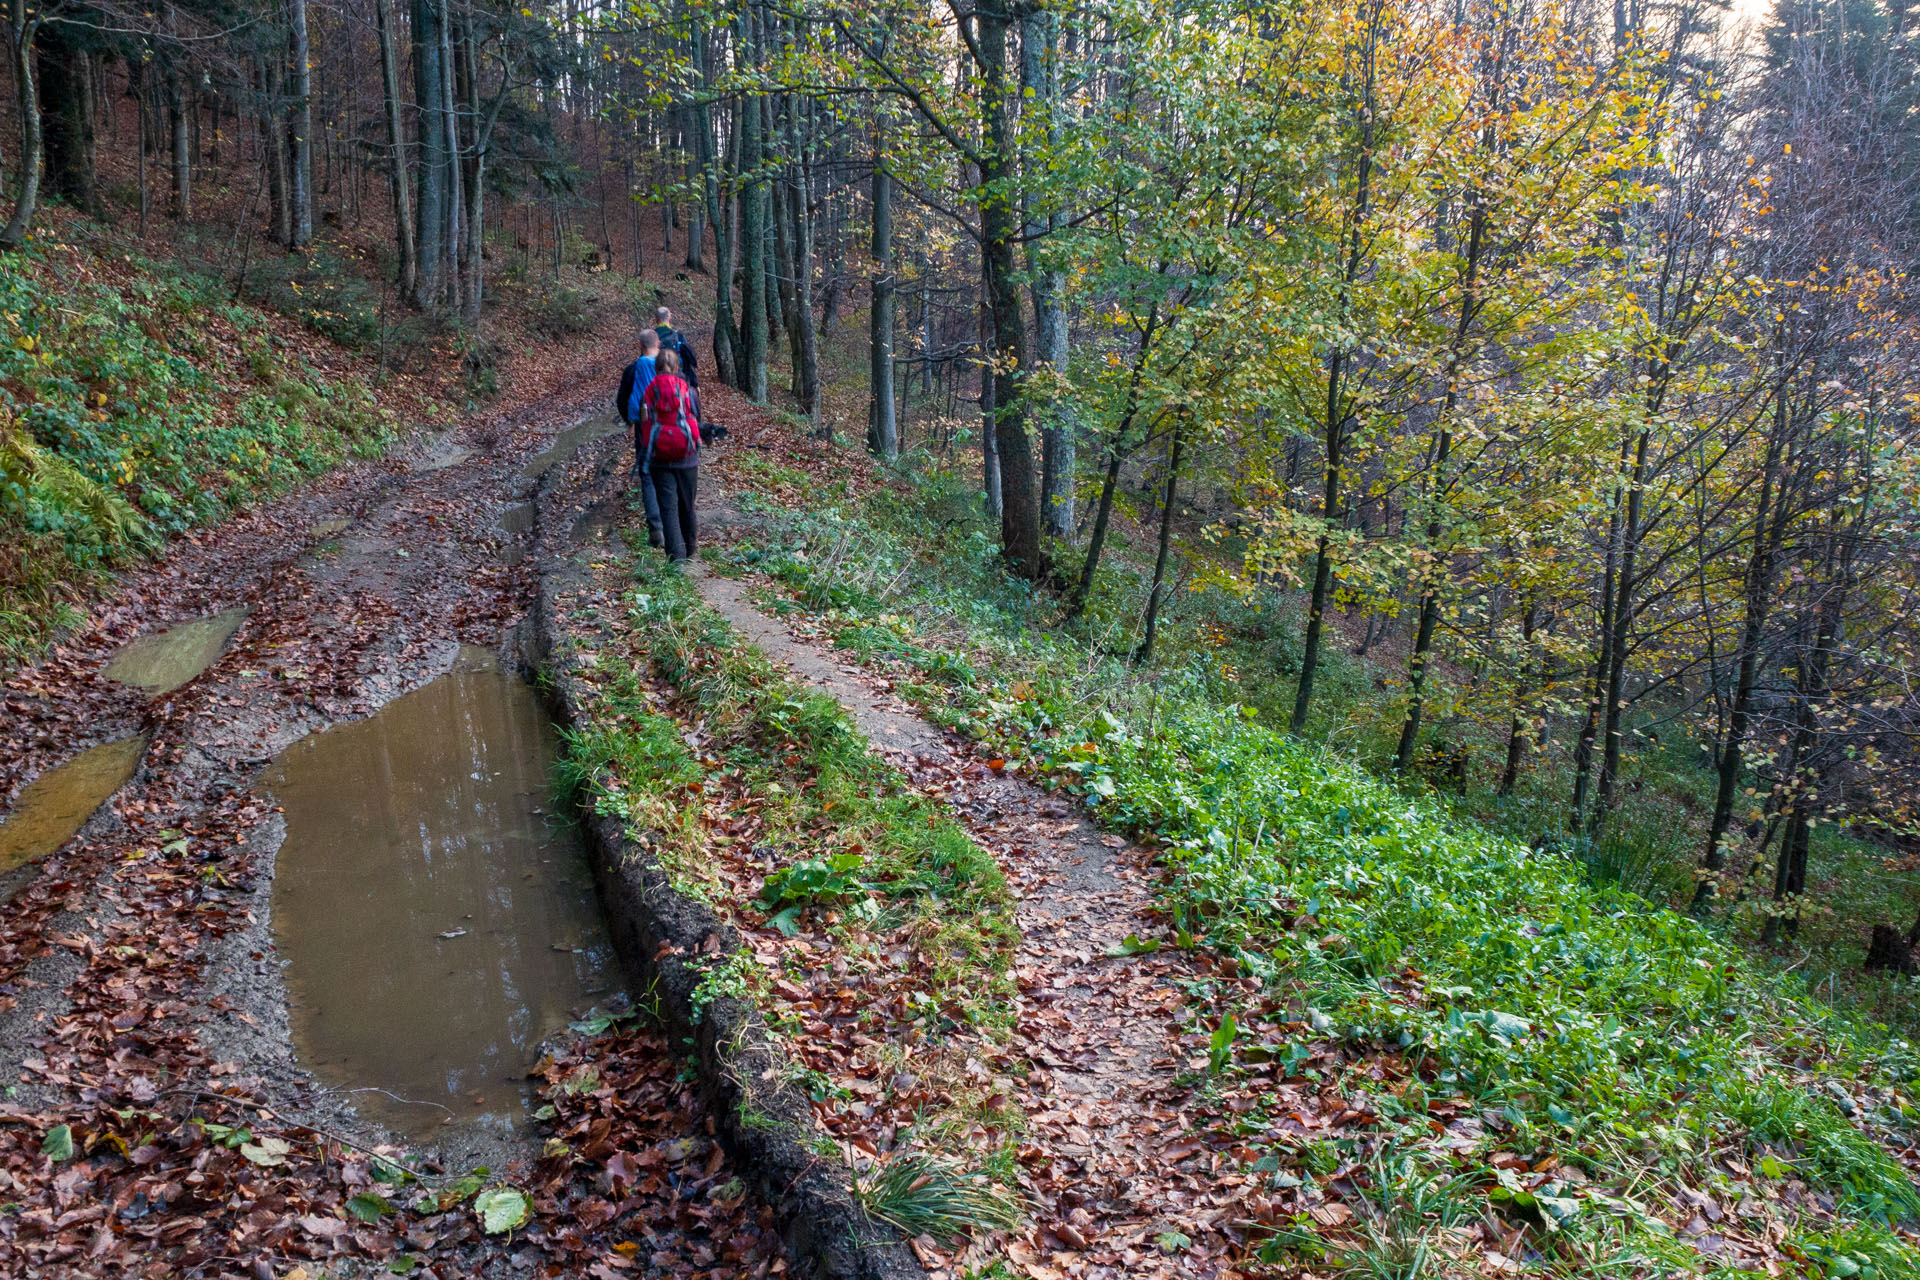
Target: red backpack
[{"x": 675, "y": 421}]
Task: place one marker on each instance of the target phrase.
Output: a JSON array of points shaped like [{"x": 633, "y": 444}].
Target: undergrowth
[
  {"x": 1629, "y": 1043},
  {"x": 126, "y": 418}
]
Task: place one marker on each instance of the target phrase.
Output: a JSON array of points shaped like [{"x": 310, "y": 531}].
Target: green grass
[
  {"x": 1547, "y": 989},
  {"x": 820, "y": 792},
  {"x": 863, "y": 862}
]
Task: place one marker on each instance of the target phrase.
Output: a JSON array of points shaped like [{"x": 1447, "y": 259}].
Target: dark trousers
[
  {"x": 673, "y": 489},
  {"x": 647, "y": 499}
]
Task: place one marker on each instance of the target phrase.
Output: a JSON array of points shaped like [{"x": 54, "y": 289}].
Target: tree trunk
[
  {"x": 1332, "y": 514},
  {"x": 403, "y": 232},
  {"x": 1769, "y": 530},
  {"x": 21, "y": 30},
  {"x": 178, "y": 118},
  {"x": 300, "y": 127},
  {"x": 66, "y": 99},
  {"x": 883, "y": 431},
  {"x": 753, "y": 229},
  {"x": 456, "y": 196},
  {"x": 1517, "y": 726},
  {"x": 806, "y": 349},
  {"x": 1011, "y": 360},
  {"x": 990, "y": 490},
  {"x": 1039, "y": 89},
  {"x": 482, "y": 141},
  {"x": 1614, "y": 710},
  {"x": 273, "y": 151},
  {"x": 429, "y": 74},
  {"x": 1115, "y": 453},
  {"x": 1144, "y": 653},
  {"x": 1417, "y": 662}
]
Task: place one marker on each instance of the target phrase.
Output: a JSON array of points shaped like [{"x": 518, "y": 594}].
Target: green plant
[{"x": 926, "y": 1194}]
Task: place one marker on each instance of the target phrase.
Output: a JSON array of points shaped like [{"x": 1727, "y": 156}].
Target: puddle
[
  {"x": 441, "y": 461},
  {"x": 58, "y": 802},
  {"x": 162, "y": 663},
  {"x": 595, "y": 525},
  {"x": 435, "y": 920},
  {"x": 517, "y": 519},
  {"x": 567, "y": 443}
]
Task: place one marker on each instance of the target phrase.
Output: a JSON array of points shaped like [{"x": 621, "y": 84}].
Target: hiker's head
[
  {"x": 663, "y": 315},
  {"x": 649, "y": 342},
  {"x": 667, "y": 362}
]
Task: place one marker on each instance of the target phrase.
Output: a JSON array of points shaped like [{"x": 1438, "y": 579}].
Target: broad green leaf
[
  {"x": 1133, "y": 945},
  {"x": 267, "y": 1152},
  {"x": 501, "y": 1209},
  {"x": 58, "y": 1144},
  {"x": 369, "y": 1206}
]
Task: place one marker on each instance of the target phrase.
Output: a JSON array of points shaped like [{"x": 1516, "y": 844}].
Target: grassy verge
[
  {"x": 879, "y": 935},
  {"x": 1555, "y": 1070},
  {"x": 136, "y": 403}
]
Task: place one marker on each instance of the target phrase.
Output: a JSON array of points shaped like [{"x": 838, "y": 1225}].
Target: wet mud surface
[{"x": 436, "y": 919}]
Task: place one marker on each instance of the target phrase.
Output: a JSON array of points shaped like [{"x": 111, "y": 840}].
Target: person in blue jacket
[{"x": 635, "y": 412}]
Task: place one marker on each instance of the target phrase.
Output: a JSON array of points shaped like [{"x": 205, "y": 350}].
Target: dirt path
[
  {"x": 1107, "y": 1165},
  {"x": 140, "y": 989}
]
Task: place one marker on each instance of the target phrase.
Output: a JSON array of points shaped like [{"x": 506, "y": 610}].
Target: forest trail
[
  {"x": 142, "y": 1000},
  {"x": 1110, "y": 1165}
]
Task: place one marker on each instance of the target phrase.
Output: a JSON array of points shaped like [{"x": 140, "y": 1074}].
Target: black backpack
[
  {"x": 675, "y": 341},
  {"x": 624, "y": 396}
]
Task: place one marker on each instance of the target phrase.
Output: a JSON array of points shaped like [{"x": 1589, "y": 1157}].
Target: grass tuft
[{"x": 926, "y": 1194}]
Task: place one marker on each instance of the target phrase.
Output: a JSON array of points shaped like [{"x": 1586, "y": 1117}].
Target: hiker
[
  {"x": 673, "y": 452},
  {"x": 632, "y": 402},
  {"x": 671, "y": 339}
]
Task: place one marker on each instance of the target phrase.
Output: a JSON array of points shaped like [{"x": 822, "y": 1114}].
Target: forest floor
[{"x": 155, "y": 1119}]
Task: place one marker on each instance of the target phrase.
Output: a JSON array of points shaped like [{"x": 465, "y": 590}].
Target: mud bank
[{"x": 667, "y": 939}]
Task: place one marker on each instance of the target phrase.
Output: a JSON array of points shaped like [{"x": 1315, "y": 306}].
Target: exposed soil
[{"x": 140, "y": 987}]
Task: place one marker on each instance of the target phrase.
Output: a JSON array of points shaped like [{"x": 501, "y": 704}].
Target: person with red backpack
[
  {"x": 629, "y": 402},
  {"x": 671, "y": 420}
]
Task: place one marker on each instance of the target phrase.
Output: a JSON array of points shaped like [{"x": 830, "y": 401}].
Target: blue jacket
[{"x": 642, "y": 375}]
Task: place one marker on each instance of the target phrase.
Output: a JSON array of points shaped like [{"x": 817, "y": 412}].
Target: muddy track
[{"x": 138, "y": 963}]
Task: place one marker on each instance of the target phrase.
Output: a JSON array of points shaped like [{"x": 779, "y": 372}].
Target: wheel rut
[{"x": 1107, "y": 1164}]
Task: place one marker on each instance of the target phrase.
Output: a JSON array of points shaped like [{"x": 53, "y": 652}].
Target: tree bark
[
  {"x": 178, "y": 118},
  {"x": 22, "y": 25},
  {"x": 883, "y": 430},
  {"x": 429, "y": 74},
  {"x": 66, "y": 100},
  {"x": 300, "y": 126},
  {"x": 806, "y": 348},
  {"x": 753, "y": 231},
  {"x": 1144, "y": 653},
  {"x": 403, "y": 231},
  {"x": 1039, "y": 88},
  {"x": 999, "y": 232}
]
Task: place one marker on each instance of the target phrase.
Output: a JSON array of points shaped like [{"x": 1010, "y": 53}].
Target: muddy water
[
  {"x": 567, "y": 443},
  {"x": 162, "y": 663},
  {"x": 435, "y": 920},
  {"x": 58, "y": 803}
]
